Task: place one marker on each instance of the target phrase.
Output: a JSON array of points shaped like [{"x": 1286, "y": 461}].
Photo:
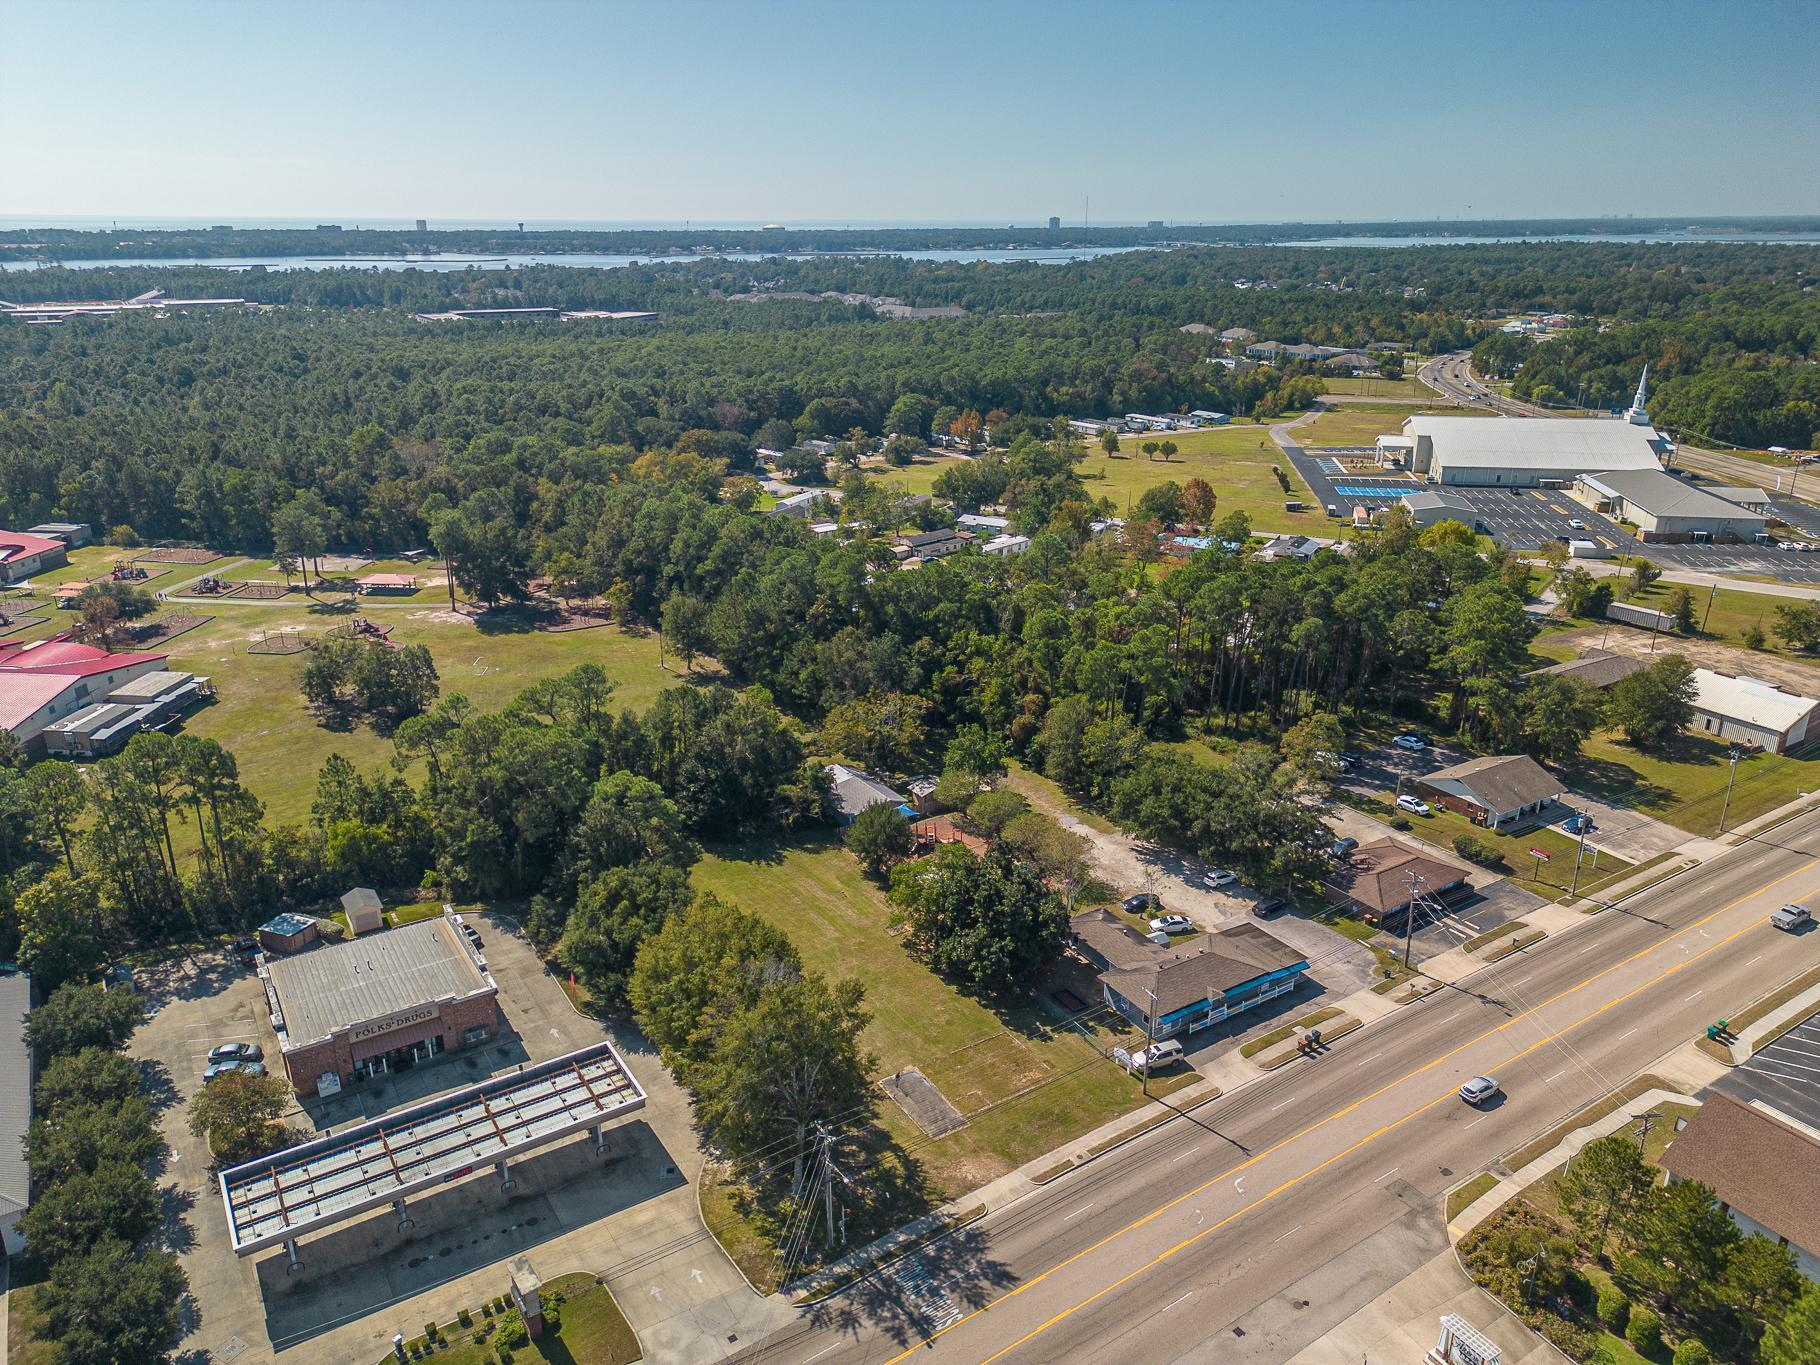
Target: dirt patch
[
  {"x": 17, "y": 623},
  {"x": 564, "y": 621},
  {"x": 169, "y": 628},
  {"x": 444, "y": 617},
  {"x": 264, "y": 592},
  {"x": 1721, "y": 658},
  {"x": 175, "y": 554}
]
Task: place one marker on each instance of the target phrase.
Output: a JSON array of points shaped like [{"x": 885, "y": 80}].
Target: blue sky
[{"x": 879, "y": 111}]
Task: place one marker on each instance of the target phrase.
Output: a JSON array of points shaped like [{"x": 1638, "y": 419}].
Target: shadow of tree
[
  {"x": 909, "y": 1298},
  {"x": 173, "y": 1232}
]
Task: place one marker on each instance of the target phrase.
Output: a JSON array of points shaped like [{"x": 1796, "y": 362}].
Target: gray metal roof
[
  {"x": 854, "y": 791},
  {"x": 286, "y": 1193},
  {"x": 322, "y": 992},
  {"x": 1572, "y": 444},
  {"x": 15, "y": 1092}
]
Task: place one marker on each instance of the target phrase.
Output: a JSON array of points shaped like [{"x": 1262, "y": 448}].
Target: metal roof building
[
  {"x": 1518, "y": 452},
  {"x": 277, "y": 1198}
]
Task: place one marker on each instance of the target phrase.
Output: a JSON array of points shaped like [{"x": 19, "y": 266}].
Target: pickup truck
[{"x": 1790, "y": 918}]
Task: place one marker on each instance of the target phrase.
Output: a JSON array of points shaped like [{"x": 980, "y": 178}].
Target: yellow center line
[{"x": 1341, "y": 1113}]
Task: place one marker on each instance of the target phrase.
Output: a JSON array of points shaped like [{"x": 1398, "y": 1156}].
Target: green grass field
[
  {"x": 1362, "y": 424},
  {"x": 590, "y": 1330},
  {"x": 1234, "y": 460},
  {"x": 1684, "y": 785},
  {"x": 1024, "y": 1087},
  {"x": 259, "y": 714},
  {"x": 1408, "y": 387}
]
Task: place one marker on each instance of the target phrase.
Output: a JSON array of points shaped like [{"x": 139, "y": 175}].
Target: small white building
[
  {"x": 1006, "y": 545},
  {"x": 1664, "y": 508},
  {"x": 1207, "y": 418},
  {"x": 1426, "y": 509},
  {"x": 1751, "y": 711}
]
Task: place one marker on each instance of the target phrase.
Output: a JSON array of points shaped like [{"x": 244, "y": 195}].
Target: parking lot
[
  {"x": 1529, "y": 518},
  {"x": 630, "y": 1214},
  {"x": 1784, "y": 1073}
]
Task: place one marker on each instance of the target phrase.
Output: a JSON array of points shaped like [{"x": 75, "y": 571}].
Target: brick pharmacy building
[{"x": 382, "y": 1003}]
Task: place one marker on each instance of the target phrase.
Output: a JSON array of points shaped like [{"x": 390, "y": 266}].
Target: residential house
[
  {"x": 855, "y": 791},
  {"x": 1289, "y": 547},
  {"x": 1166, "y": 991},
  {"x": 1006, "y": 545},
  {"x": 1751, "y": 711},
  {"x": 1207, "y": 418},
  {"x": 923, "y": 546},
  {"x": 1233, "y": 335},
  {"x": 1500, "y": 792},
  {"x": 1380, "y": 879}
]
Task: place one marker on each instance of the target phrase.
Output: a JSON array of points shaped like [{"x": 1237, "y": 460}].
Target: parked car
[
  {"x": 231, "y": 1067},
  {"x": 1348, "y": 759},
  {"x": 1578, "y": 823},
  {"x": 1414, "y": 805},
  {"x": 1144, "y": 900},
  {"x": 1412, "y": 741},
  {"x": 1790, "y": 918},
  {"x": 1172, "y": 924},
  {"x": 1343, "y": 846},
  {"x": 237, "y": 1052},
  {"x": 246, "y": 947},
  {"x": 1479, "y": 1089},
  {"x": 1267, "y": 907},
  {"x": 1221, "y": 877},
  {"x": 1159, "y": 1054}
]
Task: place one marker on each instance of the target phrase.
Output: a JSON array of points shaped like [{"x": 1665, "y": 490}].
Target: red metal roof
[{"x": 16, "y": 545}]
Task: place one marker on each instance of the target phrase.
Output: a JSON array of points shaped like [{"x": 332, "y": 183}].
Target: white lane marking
[
  {"x": 819, "y": 1354},
  {"x": 1078, "y": 1212},
  {"x": 1292, "y": 1232},
  {"x": 1190, "y": 1152},
  {"x": 1476, "y": 1122},
  {"x": 1557, "y": 1076},
  {"x": 1387, "y": 1174},
  {"x": 1587, "y": 949},
  {"x": 1757, "y": 958},
  {"x": 1285, "y": 1104},
  {"x": 1239, "y": 1184},
  {"x": 1696, "y": 995},
  {"x": 1378, "y": 1053},
  {"x": 1184, "y": 1299},
  {"x": 1626, "y": 1034}
]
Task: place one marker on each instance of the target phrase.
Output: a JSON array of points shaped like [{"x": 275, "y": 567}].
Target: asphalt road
[{"x": 1246, "y": 1229}]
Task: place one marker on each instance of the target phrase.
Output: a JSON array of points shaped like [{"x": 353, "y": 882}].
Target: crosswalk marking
[{"x": 930, "y": 1300}]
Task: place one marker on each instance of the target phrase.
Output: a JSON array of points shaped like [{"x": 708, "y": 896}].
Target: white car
[
  {"x": 1576, "y": 523},
  {"x": 1412, "y": 742},
  {"x": 1172, "y": 924},
  {"x": 1221, "y": 877},
  {"x": 1479, "y": 1089},
  {"x": 1414, "y": 805}
]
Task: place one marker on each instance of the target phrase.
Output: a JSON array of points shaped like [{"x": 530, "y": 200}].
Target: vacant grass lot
[
  {"x": 1684, "y": 784},
  {"x": 1362, "y": 424},
  {"x": 1408, "y": 387},
  {"x": 280, "y": 743},
  {"x": 1024, "y": 1087},
  {"x": 1235, "y": 461}
]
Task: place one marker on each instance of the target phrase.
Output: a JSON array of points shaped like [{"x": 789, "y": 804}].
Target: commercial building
[
  {"x": 1664, "y": 508},
  {"x": 1742, "y": 495},
  {"x": 1496, "y": 793},
  {"x": 15, "y": 1105},
  {"x": 1166, "y": 991},
  {"x": 1006, "y": 545},
  {"x": 152, "y": 301},
  {"x": 533, "y": 314},
  {"x": 23, "y": 554},
  {"x": 1755, "y": 1143},
  {"x": 1751, "y": 711},
  {"x": 924, "y": 546},
  {"x": 148, "y": 701},
  {"x": 1518, "y": 452},
  {"x": 1378, "y": 882},
  {"x": 1598, "y": 668},
  {"x": 383, "y": 1002}
]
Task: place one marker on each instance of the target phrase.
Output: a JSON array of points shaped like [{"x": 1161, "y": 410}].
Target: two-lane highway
[{"x": 1246, "y": 1229}]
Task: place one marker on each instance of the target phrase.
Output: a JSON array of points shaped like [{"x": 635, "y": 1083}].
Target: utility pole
[
  {"x": 1736, "y": 754},
  {"x": 1585, "y": 823},
  {"x": 1409, "y": 916},
  {"x": 1149, "y": 1037},
  {"x": 1711, "y": 598}
]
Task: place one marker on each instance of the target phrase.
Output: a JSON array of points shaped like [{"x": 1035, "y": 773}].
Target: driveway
[{"x": 1630, "y": 834}]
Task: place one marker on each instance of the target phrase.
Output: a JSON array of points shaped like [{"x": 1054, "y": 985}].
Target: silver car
[{"x": 1479, "y": 1089}]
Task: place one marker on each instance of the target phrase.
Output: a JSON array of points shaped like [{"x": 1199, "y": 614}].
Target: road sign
[{"x": 1540, "y": 854}]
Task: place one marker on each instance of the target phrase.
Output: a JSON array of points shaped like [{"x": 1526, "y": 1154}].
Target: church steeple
[{"x": 1639, "y": 412}]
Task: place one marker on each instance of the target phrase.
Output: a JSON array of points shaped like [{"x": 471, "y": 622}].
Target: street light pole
[
  {"x": 1736, "y": 753},
  {"x": 1149, "y": 1037},
  {"x": 1580, "y": 854},
  {"x": 1711, "y": 598},
  {"x": 1409, "y": 917}
]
